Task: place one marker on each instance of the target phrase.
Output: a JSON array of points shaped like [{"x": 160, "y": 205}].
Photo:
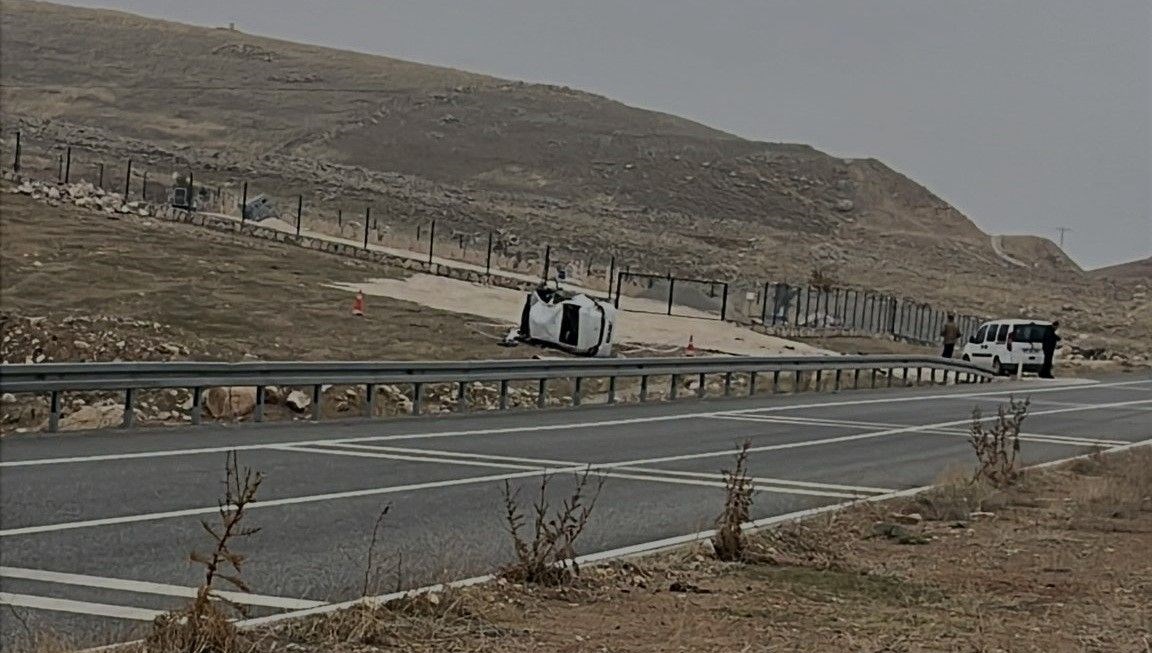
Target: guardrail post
[
  {"x": 873, "y": 378},
  {"x": 417, "y": 398},
  {"x": 542, "y": 393},
  {"x": 700, "y": 389},
  {"x": 611, "y": 387},
  {"x": 856, "y": 380},
  {"x": 672, "y": 387},
  {"x": 577, "y": 387},
  {"x": 258, "y": 409},
  {"x": 891, "y": 373},
  {"x": 752, "y": 384},
  {"x": 129, "y": 410},
  {"x": 837, "y": 386},
  {"x": 54, "y": 411},
  {"x": 797, "y": 383},
  {"x": 819, "y": 380},
  {"x": 317, "y": 411},
  {"x": 727, "y": 384},
  {"x": 905, "y": 377},
  {"x": 197, "y": 405},
  {"x": 504, "y": 394},
  {"x": 643, "y": 379},
  {"x": 369, "y": 399},
  {"x": 919, "y": 376},
  {"x": 461, "y": 395}
]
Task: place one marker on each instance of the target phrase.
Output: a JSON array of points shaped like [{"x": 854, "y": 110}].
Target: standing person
[
  {"x": 1051, "y": 338},
  {"x": 950, "y": 334}
]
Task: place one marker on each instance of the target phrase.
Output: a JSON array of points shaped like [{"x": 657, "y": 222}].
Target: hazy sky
[{"x": 1028, "y": 115}]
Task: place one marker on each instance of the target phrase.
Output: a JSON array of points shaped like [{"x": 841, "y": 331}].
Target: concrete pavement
[{"x": 95, "y": 528}]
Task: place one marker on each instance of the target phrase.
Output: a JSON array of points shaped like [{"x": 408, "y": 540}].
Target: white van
[{"x": 1000, "y": 345}]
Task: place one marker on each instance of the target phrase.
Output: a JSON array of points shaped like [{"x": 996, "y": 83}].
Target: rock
[
  {"x": 274, "y": 394},
  {"x": 910, "y": 519},
  {"x": 93, "y": 417},
  {"x": 845, "y": 206},
  {"x": 7, "y": 398},
  {"x": 230, "y": 401},
  {"x": 80, "y": 344},
  {"x": 980, "y": 514},
  {"x": 298, "y": 401}
]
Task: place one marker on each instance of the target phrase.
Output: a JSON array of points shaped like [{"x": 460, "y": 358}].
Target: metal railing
[{"x": 54, "y": 379}]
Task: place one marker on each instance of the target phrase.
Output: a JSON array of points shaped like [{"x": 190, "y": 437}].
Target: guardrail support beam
[
  {"x": 672, "y": 386},
  {"x": 728, "y": 384},
  {"x": 461, "y": 395},
  {"x": 129, "y": 408},
  {"x": 417, "y": 398},
  {"x": 197, "y": 404},
  {"x": 504, "y": 394},
  {"x": 798, "y": 382},
  {"x": 643, "y": 387},
  {"x": 611, "y": 388},
  {"x": 752, "y": 384},
  {"x": 775, "y": 382},
  {"x": 577, "y": 388},
  {"x": 542, "y": 393},
  {"x": 54, "y": 411},
  {"x": 369, "y": 399},
  {"x": 701, "y": 390},
  {"x": 317, "y": 408}
]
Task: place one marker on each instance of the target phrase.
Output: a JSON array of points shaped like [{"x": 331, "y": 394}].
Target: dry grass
[
  {"x": 205, "y": 626},
  {"x": 1115, "y": 487},
  {"x": 547, "y": 555},
  {"x": 729, "y": 543},
  {"x": 998, "y": 446}
]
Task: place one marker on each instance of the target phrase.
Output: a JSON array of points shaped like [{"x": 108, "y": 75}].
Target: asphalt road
[{"x": 95, "y": 529}]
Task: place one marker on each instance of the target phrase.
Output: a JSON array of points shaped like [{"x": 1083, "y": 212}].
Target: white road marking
[
  {"x": 540, "y": 427},
  {"x": 29, "y": 530},
  {"x": 143, "y": 587},
  {"x": 1026, "y": 437},
  {"x": 78, "y": 607},
  {"x": 650, "y": 475},
  {"x": 763, "y": 481}
]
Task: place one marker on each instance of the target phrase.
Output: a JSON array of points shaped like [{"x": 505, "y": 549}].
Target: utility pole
[{"x": 1062, "y": 230}]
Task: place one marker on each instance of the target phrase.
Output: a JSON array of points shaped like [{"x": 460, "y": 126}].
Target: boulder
[
  {"x": 230, "y": 401},
  {"x": 298, "y": 401},
  {"x": 93, "y": 417}
]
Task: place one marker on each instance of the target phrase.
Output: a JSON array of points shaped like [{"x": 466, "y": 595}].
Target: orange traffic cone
[
  {"x": 690, "y": 350},
  {"x": 358, "y": 304}
]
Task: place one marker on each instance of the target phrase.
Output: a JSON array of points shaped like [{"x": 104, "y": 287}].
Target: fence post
[
  {"x": 367, "y": 217},
  {"x": 724, "y": 304},
  {"x": 299, "y": 210},
  {"x": 340, "y": 219},
  {"x": 671, "y": 287},
  {"x": 144, "y": 187},
  {"x": 431, "y": 242},
  {"x": 59, "y": 168},
  {"x": 191, "y": 192},
  {"x": 619, "y": 283},
  {"x": 488, "y": 258},
  {"x": 68, "y": 165},
  {"x": 100, "y": 175},
  {"x": 611, "y": 273},
  {"x": 244, "y": 202},
  {"x": 127, "y": 178},
  {"x": 16, "y": 158},
  {"x": 547, "y": 262}
]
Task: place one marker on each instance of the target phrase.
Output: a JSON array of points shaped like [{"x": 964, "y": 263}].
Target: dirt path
[{"x": 505, "y": 304}]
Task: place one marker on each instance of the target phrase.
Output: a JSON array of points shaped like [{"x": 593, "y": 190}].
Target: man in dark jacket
[
  {"x": 950, "y": 334},
  {"x": 1049, "y": 346}
]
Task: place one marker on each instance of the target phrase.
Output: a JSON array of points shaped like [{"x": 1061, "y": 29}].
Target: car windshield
[{"x": 1030, "y": 332}]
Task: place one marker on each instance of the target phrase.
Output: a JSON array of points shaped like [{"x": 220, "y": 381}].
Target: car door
[
  {"x": 977, "y": 349},
  {"x": 998, "y": 343}
]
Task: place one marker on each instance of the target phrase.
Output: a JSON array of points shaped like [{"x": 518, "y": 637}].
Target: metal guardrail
[{"x": 56, "y": 378}]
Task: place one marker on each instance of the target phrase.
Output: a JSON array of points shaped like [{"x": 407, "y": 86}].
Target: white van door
[{"x": 976, "y": 351}]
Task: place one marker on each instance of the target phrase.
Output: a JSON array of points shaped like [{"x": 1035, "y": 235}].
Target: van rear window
[{"x": 1029, "y": 332}]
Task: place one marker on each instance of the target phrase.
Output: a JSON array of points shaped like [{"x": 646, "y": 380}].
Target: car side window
[
  {"x": 979, "y": 337},
  {"x": 1002, "y": 334}
]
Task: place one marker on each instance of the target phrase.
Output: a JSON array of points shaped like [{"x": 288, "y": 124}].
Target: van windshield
[{"x": 1029, "y": 332}]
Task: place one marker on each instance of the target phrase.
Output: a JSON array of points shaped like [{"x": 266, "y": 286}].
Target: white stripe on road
[
  {"x": 142, "y": 587},
  {"x": 540, "y": 427},
  {"x": 656, "y": 476},
  {"x": 761, "y": 481},
  {"x": 1027, "y": 437},
  {"x": 78, "y": 607}
]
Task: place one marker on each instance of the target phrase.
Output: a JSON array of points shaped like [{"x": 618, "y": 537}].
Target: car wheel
[{"x": 997, "y": 369}]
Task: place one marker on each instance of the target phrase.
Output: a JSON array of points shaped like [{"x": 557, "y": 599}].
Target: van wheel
[{"x": 997, "y": 369}]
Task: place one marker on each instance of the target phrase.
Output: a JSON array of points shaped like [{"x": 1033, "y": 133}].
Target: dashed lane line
[{"x": 78, "y": 607}]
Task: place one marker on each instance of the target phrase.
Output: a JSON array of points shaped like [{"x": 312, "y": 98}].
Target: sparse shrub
[
  {"x": 823, "y": 278},
  {"x": 998, "y": 446},
  {"x": 547, "y": 555},
  {"x": 729, "y": 542},
  {"x": 204, "y": 626}
]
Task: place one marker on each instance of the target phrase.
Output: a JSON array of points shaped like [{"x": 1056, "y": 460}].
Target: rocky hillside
[
  {"x": 1139, "y": 271},
  {"x": 586, "y": 174}
]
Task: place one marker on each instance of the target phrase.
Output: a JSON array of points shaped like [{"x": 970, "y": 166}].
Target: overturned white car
[{"x": 573, "y": 322}]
